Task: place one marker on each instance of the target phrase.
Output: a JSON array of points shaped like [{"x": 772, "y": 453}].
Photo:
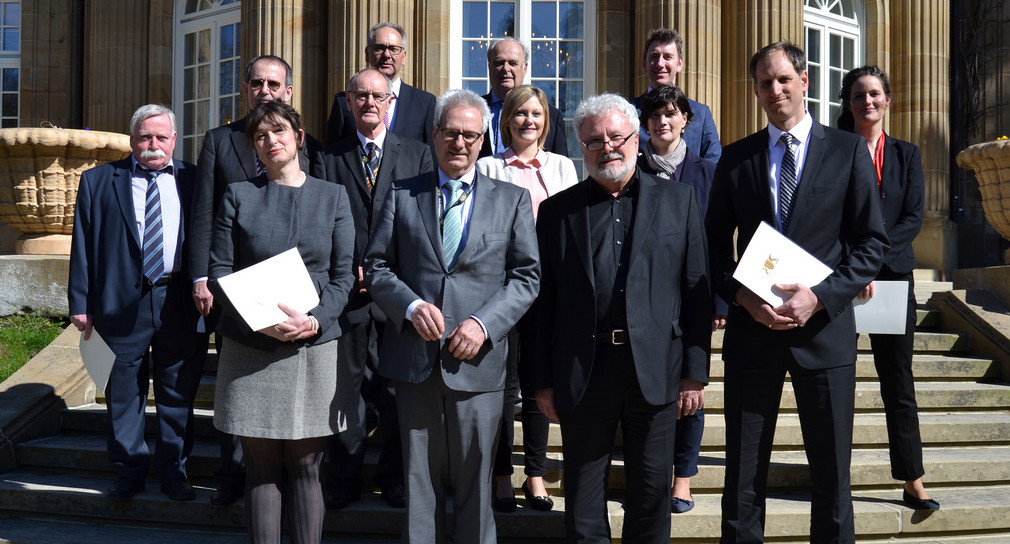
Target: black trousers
[
  {"x": 535, "y": 424},
  {"x": 892, "y": 356},
  {"x": 613, "y": 396}
]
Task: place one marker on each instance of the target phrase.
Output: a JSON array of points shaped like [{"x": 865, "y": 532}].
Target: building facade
[{"x": 80, "y": 63}]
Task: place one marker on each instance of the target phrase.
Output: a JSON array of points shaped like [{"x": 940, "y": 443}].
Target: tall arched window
[
  {"x": 208, "y": 70},
  {"x": 833, "y": 46},
  {"x": 561, "y": 36},
  {"x": 10, "y": 63}
]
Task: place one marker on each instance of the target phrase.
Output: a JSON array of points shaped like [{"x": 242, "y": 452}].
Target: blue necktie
[
  {"x": 497, "y": 145},
  {"x": 154, "y": 231},
  {"x": 787, "y": 181},
  {"x": 452, "y": 222}
]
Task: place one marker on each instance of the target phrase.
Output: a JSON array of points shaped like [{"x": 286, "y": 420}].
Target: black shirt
[{"x": 610, "y": 221}]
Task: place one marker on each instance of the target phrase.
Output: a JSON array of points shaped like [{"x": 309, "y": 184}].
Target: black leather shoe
[
  {"x": 393, "y": 495},
  {"x": 504, "y": 504},
  {"x": 178, "y": 490},
  {"x": 340, "y": 498},
  {"x": 543, "y": 504},
  {"x": 916, "y": 503},
  {"x": 124, "y": 488},
  {"x": 226, "y": 496}
]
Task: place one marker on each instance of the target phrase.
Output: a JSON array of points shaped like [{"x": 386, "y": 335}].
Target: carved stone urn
[{"x": 40, "y": 169}]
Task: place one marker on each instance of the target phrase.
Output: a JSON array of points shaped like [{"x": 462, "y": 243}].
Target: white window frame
[
  {"x": 829, "y": 24},
  {"x": 212, "y": 19}
]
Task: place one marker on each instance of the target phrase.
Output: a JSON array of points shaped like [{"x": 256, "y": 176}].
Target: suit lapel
[
  {"x": 429, "y": 216},
  {"x": 761, "y": 180},
  {"x": 811, "y": 173},
  {"x": 892, "y": 169},
  {"x": 481, "y": 210},
  {"x": 122, "y": 183},
  {"x": 352, "y": 160},
  {"x": 647, "y": 203},
  {"x": 244, "y": 151},
  {"x": 578, "y": 222}
]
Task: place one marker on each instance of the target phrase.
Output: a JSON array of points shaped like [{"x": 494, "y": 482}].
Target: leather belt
[
  {"x": 616, "y": 337},
  {"x": 163, "y": 280}
]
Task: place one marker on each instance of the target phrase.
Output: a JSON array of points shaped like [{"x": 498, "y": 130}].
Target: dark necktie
[
  {"x": 787, "y": 181},
  {"x": 372, "y": 159},
  {"x": 154, "y": 230}
]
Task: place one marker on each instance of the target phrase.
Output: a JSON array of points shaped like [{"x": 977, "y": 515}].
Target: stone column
[
  {"x": 292, "y": 30},
  {"x": 349, "y": 22},
  {"x": 920, "y": 44},
  {"x": 116, "y": 62},
  {"x": 46, "y": 63},
  {"x": 431, "y": 45},
  {"x": 700, "y": 25},
  {"x": 617, "y": 47},
  {"x": 159, "y": 58},
  {"x": 749, "y": 25}
]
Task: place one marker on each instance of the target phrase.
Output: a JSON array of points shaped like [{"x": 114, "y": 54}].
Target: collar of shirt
[
  {"x": 800, "y": 133},
  {"x": 511, "y": 159},
  {"x": 379, "y": 142},
  {"x": 139, "y": 170},
  {"x": 466, "y": 178},
  {"x": 801, "y": 136},
  {"x": 597, "y": 192},
  {"x": 394, "y": 86}
]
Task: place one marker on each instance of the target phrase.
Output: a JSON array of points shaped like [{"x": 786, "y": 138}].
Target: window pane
[
  {"x": 503, "y": 18},
  {"x": 189, "y": 116},
  {"x": 571, "y": 95},
  {"x": 570, "y": 60},
  {"x": 10, "y": 80},
  {"x": 203, "y": 46},
  {"x": 813, "y": 45},
  {"x": 203, "y": 81},
  {"x": 833, "y": 115},
  {"x": 835, "y": 84},
  {"x": 474, "y": 59},
  {"x": 544, "y": 25},
  {"x": 474, "y": 20},
  {"x": 189, "y": 49},
  {"x": 814, "y": 75},
  {"x": 225, "y": 108},
  {"x": 202, "y": 116},
  {"x": 477, "y": 86},
  {"x": 550, "y": 89},
  {"x": 12, "y": 14},
  {"x": 10, "y": 105},
  {"x": 849, "y": 53},
  {"x": 189, "y": 84},
  {"x": 227, "y": 41},
  {"x": 9, "y": 123},
  {"x": 542, "y": 60},
  {"x": 226, "y": 85},
  {"x": 835, "y": 47},
  {"x": 572, "y": 20},
  {"x": 12, "y": 39}
]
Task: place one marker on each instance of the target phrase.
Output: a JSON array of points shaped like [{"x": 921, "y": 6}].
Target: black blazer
[
  {"x": 835, "y": 217},
  {"x": 415, "y": 116},
  {"x": 556, "y": 141},
  {"x": 669, "y": 303},
  {"x": 107, "y": 251},
  {"x": 228, "y": 156},
  {"x": 901, "y": 201},
  {"x": 694, "y": 171},
  {"x": 401, "y": 159}
]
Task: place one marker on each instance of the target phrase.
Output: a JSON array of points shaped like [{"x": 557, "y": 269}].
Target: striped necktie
[
  {"x": 389, "y": 111},
  {"x": 787, "y": 181},
  {"x": 372, "y": 158},
  {"x": 154, "y": 230},
  {"x": 452, "y": 222}
]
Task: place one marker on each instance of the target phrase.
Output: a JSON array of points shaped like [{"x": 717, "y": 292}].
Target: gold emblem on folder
[{"x": 770, "y": 265}]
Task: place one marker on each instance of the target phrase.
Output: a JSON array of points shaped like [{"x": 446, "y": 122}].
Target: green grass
[{"x": 22, "y": 336}]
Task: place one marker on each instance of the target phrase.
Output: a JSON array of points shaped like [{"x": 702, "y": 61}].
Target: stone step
[
  {"x": 878, "y": 514},
  {"x": 92, "y": 418},
  {"x": 966, "y": 429},
  {"x": 925, "y": 342},
  {"x": 930, "y": 367}
]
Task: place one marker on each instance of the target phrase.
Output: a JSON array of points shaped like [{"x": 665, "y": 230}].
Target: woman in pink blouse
[{"x": 524, "y": 129}]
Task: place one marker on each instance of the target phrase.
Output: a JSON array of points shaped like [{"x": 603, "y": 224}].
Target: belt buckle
[{"x": 614, "y": 340}]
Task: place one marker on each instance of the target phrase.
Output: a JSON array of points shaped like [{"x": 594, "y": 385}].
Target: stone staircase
[{"x": 56, "y": 493}]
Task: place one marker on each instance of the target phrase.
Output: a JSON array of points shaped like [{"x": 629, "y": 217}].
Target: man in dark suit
[
  {"x": 227, "y": 156},
  {"x": 128, "y": 281},
  {"x": 662, "y": 60},
  {"x": 411, "y": 111},
  {"x": 452, "y": 251},
  {"x": 367, "y": 163},
  {"x": 817, "y": 186},
  {"x": 622, "y": 326},
  {"x": 507, "y": 63}
]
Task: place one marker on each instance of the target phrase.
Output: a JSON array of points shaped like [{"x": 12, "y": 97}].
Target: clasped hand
[
  {"x": 297, "y": 326},
  {"x": 464, "y": 341},
  {"x": 801, "y": 303}
]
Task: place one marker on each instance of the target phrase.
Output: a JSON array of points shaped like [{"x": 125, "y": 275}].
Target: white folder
[
  {"x": 98, "y": 359},
  {"x": 255, "y": 291},
  {"x": 772, "y": 258},
  {"x": 886, "y": 312}
]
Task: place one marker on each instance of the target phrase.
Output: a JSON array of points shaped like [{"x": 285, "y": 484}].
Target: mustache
[
  {"x": 152, "y": 154},
  {"x": 613, "y": 155}
]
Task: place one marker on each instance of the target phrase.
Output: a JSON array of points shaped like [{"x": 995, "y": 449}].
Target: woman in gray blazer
[{"x": 276, "y": 386}]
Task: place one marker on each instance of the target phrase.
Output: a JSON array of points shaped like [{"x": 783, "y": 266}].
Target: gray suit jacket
[{"x": 496, "y": 278}]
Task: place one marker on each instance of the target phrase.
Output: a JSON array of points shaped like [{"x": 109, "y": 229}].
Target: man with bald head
[
  {"x": 508, "y": 60},
  {"x": 410, "y": 112}
]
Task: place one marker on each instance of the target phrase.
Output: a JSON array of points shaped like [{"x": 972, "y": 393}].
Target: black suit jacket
[
  {"x": 556, "y": 142},
  {"x": 228, "y": 156},
  {"x": 415, "y": 116},
  {"x": 835, "y": 217},
  {"x": 669, "y": 303},
  {"x": 901, "y": 201},
  {"x": 107, "y": 251},
  {"x": 695, "y": 171},
  {"x": 401, "y": 159}
]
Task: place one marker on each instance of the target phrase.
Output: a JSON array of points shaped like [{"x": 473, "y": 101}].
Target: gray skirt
[{"x": 287, "y": 394}]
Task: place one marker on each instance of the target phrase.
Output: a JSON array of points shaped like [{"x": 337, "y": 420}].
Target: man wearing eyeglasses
[
  {"x": 367, "y": 163},
  {"x": 622, "y": 319},
  {"x": 507, "y": 62},
  {"x": 227, "y": 156},
  {"x": 453, "y": 262},
  {"x": 387, "y": 53}
]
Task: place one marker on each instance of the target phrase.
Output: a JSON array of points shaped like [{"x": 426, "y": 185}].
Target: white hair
[
  {"x": 462, "y": 97},
  {"x": 146, "y": 112},
  {"x": 603, "y": 103}
]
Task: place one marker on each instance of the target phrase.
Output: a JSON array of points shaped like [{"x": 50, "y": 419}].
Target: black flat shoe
[
  {"x": 178, "y": 490},
  {"x": 394, "y": 497},
  {"x": 916, "y": 503},
  {"x": 543, "y": 504},
  {"x": 504, "y": 504},
  {"x": 124, "y": 488}
]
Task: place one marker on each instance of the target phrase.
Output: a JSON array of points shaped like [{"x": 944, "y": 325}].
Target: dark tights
[{"x": 279, "y": 471}]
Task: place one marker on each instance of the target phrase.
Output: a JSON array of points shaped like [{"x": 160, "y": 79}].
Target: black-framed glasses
[
  {"x": 450, "y": 135},
  {"x": 615, "y": 143},
  {"x": 271, "y": 84},
  {"x": 379, "y": 49},
  {"x": 362, "y": 96}
]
